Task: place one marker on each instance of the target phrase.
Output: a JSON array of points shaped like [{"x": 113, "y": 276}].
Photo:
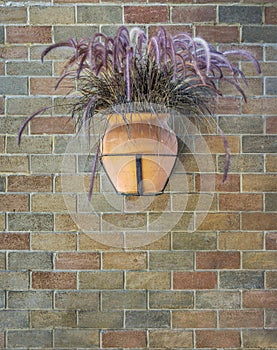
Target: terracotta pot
[{"x": 138, "y": 153}]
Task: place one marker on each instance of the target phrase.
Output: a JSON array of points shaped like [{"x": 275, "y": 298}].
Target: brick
[
  {"x": 51, "y": 15},
  {"x": 12, "y": 15},
  {"x": 2, "y": 299},
  {"x": 2, "y": 184},
  {"x": 49, "y": 164},
  {"x": 77, "y": 300},
  {"x": 99, "y": 14},
  {"x": 258, "y": 144},
  {"x": 170, "y": 338},
  {"x": 2, "y": 148},
  {"x": 64, "y": 32},
  {"x": 53, "y": 202},
  {"x": 241, "y": 319},
  {"x": 124, "y": 261},
  {"x": 29, "y": 261},
  {"x": 170, "y": 221},
  {"x": 14, "y": 280},
  {"x": 243, "y": 163},
  {"x": 271, "y": 125},
  {"x": 29, "y": 183},
  {"x": 101, "y": 280},
  {"x": 157, "y": 203},
  {"x": 261, "y": 34},
  {"x": 219, "y": 34},
  {"x": 95, "y": 241},
  {"x": 194, "y": 319},
  {"x": 270, "y": 15},
  {"x": 217, "y": 338},
  {"x": 240, "y": 240},
  {"x": 2, "y": 340},
  {"x": 2, "y": 261},
  {"x": 2, "y": 222},
  {"x": 25, "y": 105},
  {"x": 119, "y": 300},
  {"x": 170, "y": 300},
  {"x": 77, "y": 261},
  {"x": 146, "y": 14},
  {"x": 217, "y": 300},
  {"x": 52, "y": 125},
  {"x": 53, "y": 241},
  {"x": 271, "y": 241},
  {"x": 260, "y": 338},
  {"x": 10, "y": 125},
  {"x": 271, "y": 53},
  {"x": 124, "y": 339},
  {"x": 53, "y": 319},
  {"x": 192, "y": 14},
  {"x": 14, "y": 241},
  {"x": 271, "y": 164},
  {"x": 1, "y": 34},
  {"x": 259, "y": 260},
  {"x": 217, "y": 260},
  {"x": 260, "y": 299},
  {"x": 33, "y": 144},
  {"x": 194, "y": 280},
  {"x": 216, "y": 144},
  {"x": 203, "y": 183},
  {"x": 262, "y": 105},
  {"x": 30, "y": 300},
  {"x": 14, "y": 202},
  {"x": 29, "y": 338},
  {"x": 102, "y": 320},
  {"x": 258, "y": 183},
  {"x": 194, "y": 241},
  {"x": 54, "y": 280},
  {"x": 60, "y": 145},
  {"x": 219, "y": 221},
  {"x": 33, "y": 68},
  {"x": 241, "y": 279},
  {"x": 14, "y": 164},
  {"x": 240, "y": 202},
  {"x": 148, "y": 280},
  {"x": 268, "y": 69},
  {"x": 271, "y": 319},
  {"x": 46, "y": 86},
  {"x": 240, "y": 14},
  {"x": 13, "y": 52},
  {"x": 170, "y": 261},
  {"x": 13, "y": 86},
  {"x": 112, "y": 222},
  {"x": 270, "y": 88},
  {"x": 152, "y": 318},
  {"x": 259, "y": 221},
  {"x": 87, "y": 222},
  {"x": 30, "y": 222},
  {"x": 29, "y": 34}
]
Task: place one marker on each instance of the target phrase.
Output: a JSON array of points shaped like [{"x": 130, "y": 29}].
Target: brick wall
[{"x": 62, "y": 287}]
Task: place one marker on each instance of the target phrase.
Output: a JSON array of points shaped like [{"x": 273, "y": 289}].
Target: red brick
[
  {"x": 203, "y": 183},
  {"x": 14, "y": 202},
  {"x": 220, "y": 221},
  {"x": 172, "y": 29},
  {"x": 219, "y": 34},
  {"x": 194, "y": 319},
  {"x": 240, "y": 202},
  {"x": 29, "y": 34},
  {"x": 217, "y": 260},
  {"x": 54, "y": 280},
  {"x": 271, "y": 15},
  {"x": 46, "y": 86},
  {"x": 52, "y": 125},
  {"x": 259, "y": 221},
  {"x": 259, "y": 299},
  {"x": 261, "y": 105},
  {"x": 77, "y": 261},
  {"x": 192, "y": 14},
  {"x": 14, "y": 241},
  {"x": 29, "y": 183},
  {"x": 217, "y": 339},
  {"x": 194, "y": 280},
  {"x": 124, "y": 339},
  {"x": 271, "y": 125},
  {"x": 271, "y": 241},
  {"x": 227, "y": 105},
  {"x": 241, "y": 319},
  {"x": 146, "y": 14}
]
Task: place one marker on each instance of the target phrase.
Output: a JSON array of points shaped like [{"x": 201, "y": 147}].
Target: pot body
[{"x": 138, "y": 153}]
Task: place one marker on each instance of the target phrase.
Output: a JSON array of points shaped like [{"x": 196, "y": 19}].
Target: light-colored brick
[
  {"x": 29, "y": 338},
  {"x": 14, "y": 280},
  {"x": 34, "y": 145},
  {"x": 30, "y": 300},
  {"x": 194, "y": 319},
  {"x": 101, "y": 280},
  {"x": 92, "y": 319},
  {"x": 170, "y": 260},
  {"x": 119, "y": 300},
  {"x": 53, "y": 241},
  {"x": 77, "y": 300},
  {"x": 86, "y": 338},
  {"x": 53, "y": 202},
  {"x": 124, "y": 261},
  {"x": 148, "y": 280},
  {"x": 53, "y": 319},
  {"x": 14, "y": 202},
  {"x": 13, "y": 319},
  {"x": 51, "y": 15},
  {"x": 14, "y": 164}
]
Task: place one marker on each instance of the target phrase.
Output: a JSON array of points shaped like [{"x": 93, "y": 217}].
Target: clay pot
[{"x": 138, "y": 153}]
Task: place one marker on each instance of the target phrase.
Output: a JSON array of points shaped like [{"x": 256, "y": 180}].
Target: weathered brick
[
  {"x": 2, "y": 184},
  {"x": 260, "y": 338},
  {"x": 53, "y": 202},
  {"x": 2, "y": 221},
  {"x": 53, "y": 241},
  {"x": 270, "y": 87},
  {"x": 192, "y": 14},
  {"x": 54, "y": 280},
  {"x": 13, "y": 86},
  {"x": 170, "y": 300},
  {"x": 52, "y": 125},
  {"x": 29, "y": 338},
  {"x": 124, "y": 339},
  {"x": 112, "y": 222},
  {"x": 217, "y": 300},
  {"x": 219, "y": 34},
  {"x": 194, "y": 280},
  {"x": 255, "y": 34},
  {"x": 14, "y": 280},
  {"x": 2, "y": 299},
  {"x": 259, "y": 144},
  {"x": 271, "y": 53},
  {"x": 51, "y": 15},
  {"x": 99, "y": 14},
  {"x": 268, "y": 69},
  {"x": 64, "y": 32},
  {"x": 262, "y": 105},
  {"x": 121, "y": 261},
  {"x": 170, "y": 338},
  {"x": 194, "y": 319},
  {"x": 259, "y": 260},
  {"x": 2, "y": 339},
  {"x": 29, "y": 261},
  {"x": 73, "y": 222},
  {"x": 2, "y": 261},
  {"x": 30, "y": 300},
  {"x": 14, "y": 164},
  {"x": 240, "y": 14},
  {"x": 12, "y": 15},
  {"x": 29, "y": 68},
  {"x": 178, "y": 221},
  {"x": 148, "y": 280},
  {"x": 46, "y": 86},
  {"x": 271, "y": 125},
  {"x": 217, "y": 338},
  {"x": 220, "y": 221},
  {"x": 53, "y": 319},
  {"x": 1, "y": 34},
  {"x": 146, "y": 14},
  {"x": 243, "y": 163},
  {"x": 92, "y": 319},
  {"x": 170, "y": 261},
  {"x": 14, "y": 241},
  {"x": 77, "y": 300},
  {"x": 270, "y": 15},
  {"x": 158, "y": 203},
  {"x": 77, "y": 261},
  {"x": 119, "y": 300},
  {"x": 14, "y": 202},
  {"x": 240, "y": 240},
  {"x": 49, "y": 164},
  {"x": 217, "y": 260},
  {"x": 203, "y": 183},
  {"x": 241, "y": 319},
  {"x": 258, "y": 183},
  {"x": 30, "y": 222},
  {"x": 194, "y": 241},
  {"x": 259, "y": 221},
  {"x": 271, "y": 241},
  {"x": 152, "y": 318},
  {"x": 271, "y": 163},
  {"x": 29, "y": 34},
  {"x": 271, "y": 319},
  {"x": 216, "y": 144},
  {"x": 101, "y": 280},
  {"x": 2, "y": 148},
  {"x": 33, "y": 144},
  {"x": 29, "y": 183},
  {"x": 25, "y": 105},
  {"x": 259, "y": 299},
  {"x": 240, "y": 202},
  {"x": 13, "y": 319},
  {"x": 241, "y": 279},
  {"x": 10, "y": 125},
  {"x": 13, "y": 52}
]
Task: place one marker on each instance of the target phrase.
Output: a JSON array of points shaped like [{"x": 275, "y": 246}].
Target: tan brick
[
  {"x": 195, "y": 241},
  {"x": 53, "y": 202},
  {"x": 258, "y": 183},
  {"x": 119, "y": 300},
  {"x": 85, "y": 338},
  {"x": 240, "y": 240},
  {"x": 194, "y": 280},
  {"x": 240, "y": 202},
  {"x": 189, "y": 14},
  {"x": 13, "y": 52},
  {"x": 29, "y": 34},
  {"x": 2, "y": 261},
  {"x": 34, "y": 144},
  {"x": 146, "y": 14},
  {"x": 259, "y": 221},
  {"x": 227, "y": 105},
  {"x": 148, "y": 280},
  {"x": 220, "y": 221},
  {"x": 72, "y": 183},
  {"x": 29, "y": 183},
  {"x": 2, "y": 222},
  {"x": 178, "y": 221},
  {"x": 2, "y": 339},
  {"x": 218, "y": 300},
  {"x": 46, "y": 86},
  {"x": 271, "y": 163},
  {"x": 29, "y": 261},
  {"x": 14, "y": 164},
  {"x": 216, "y": 145},
  {"x": 52, "y": 125},
  {"x": 30, "y": 338},
  {"x": 265, "y": 106},
  {"x": 194, "y": 319},
  {"x": 113, "y": 222},
  {"x": 124, "y": 339},
  {"x": 77, "y": 300},
  {"x": 101, "y": 280},
  {"x": 217, "y": 260},
  {"x": 22, "y": 106},
  {"x": 30, "y": 222},
  {"x": 50, "y": 164},
  {"x": 14, "y": 280},
  {"x": 241, "y": 319},
  {"x": 77, "y": 261},
  {"x": 54, "y": 280},
  {"x": 203, "y": 183},
  {"x": 51, "y": 15},
  {"x": 95, "y": 241},
  {"x": 2, "y": 144},
  {"x": 14, "y": 241},
  {"x": 73, "y": 222},
  {"x": 170, "y": 260},
  {"x": 172, "y": 339},
  {"x": 271, "y": 280},
  {"x": 271, "y": 125},
  {"x": 158, "y": 203},
  {"x": 271, "y": 319},
  {"x": 189, "y": 202},
  {"x": 259, "y": 299},
  {"x": 12, "y": 15},
  {"x": 14, "y": 202},
  {"x": 259, "y": 260},
  {"x": 53, "y": 241},
  {"x": 124, "y": 261},
  {"x": 260, "y": 338},
  {"x": 30, "y": 300},
  {"x": 217, "y": 338},
  {"x": 92, "y": 319},
  {"x": 53, "y": 319}
]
